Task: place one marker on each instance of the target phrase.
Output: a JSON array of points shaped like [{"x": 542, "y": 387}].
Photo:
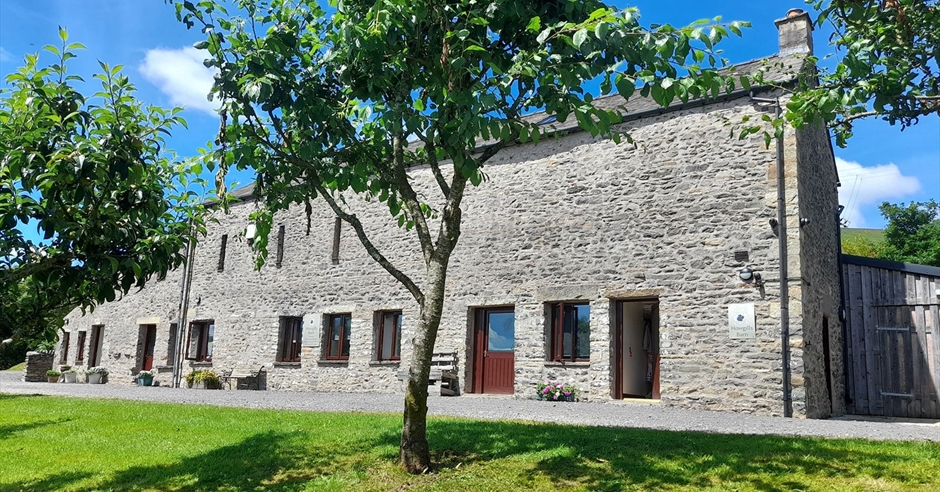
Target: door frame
[
  {"x": 149, "y": 345},
  {"x": 480, "y": 341},
  {"x": 616, "y": 389}
]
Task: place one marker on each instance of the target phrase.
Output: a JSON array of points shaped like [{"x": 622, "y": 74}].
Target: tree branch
[
  {"x": 352, "y": 220},
  {"x": 410, "y": 198}
]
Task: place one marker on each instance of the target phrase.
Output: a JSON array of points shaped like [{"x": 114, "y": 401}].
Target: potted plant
[
  {"x": 96, "y": 375},
  {"x": 52, "y": 376},
  {"x": 202, "y": 379},
  {"x": 145, "y": 378},
  {"x": 551, "y": 391},
  {"x": 69, "y": 375}
]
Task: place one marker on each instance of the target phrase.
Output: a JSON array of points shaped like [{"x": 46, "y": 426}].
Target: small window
[
  {"x": 388, "y": 336},
  {"x": 64, "y": 354},
  {"x": 291, "y": 332},
  {"x": 337, "y": 336},
  {"x": 201, "y": 334},
  {"x": 280, "y": 246},
  {"x": 570, "y": 332},
  {"x": 222, "y": 252},
  {"x": 81, "y": 347}
]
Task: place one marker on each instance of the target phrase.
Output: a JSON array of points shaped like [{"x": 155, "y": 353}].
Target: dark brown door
[
  {"x": 95, "y": 356},
  {"x": 494, "y": 359},
  {"x": 150, "y": 340}
]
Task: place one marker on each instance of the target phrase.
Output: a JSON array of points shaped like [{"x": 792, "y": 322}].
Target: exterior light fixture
[
  {"x": 747, "y": 275},
  {"x": 775, "y": 226}
]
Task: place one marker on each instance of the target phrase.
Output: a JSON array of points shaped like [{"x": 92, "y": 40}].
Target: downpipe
[{"x": 782, "y": 247}]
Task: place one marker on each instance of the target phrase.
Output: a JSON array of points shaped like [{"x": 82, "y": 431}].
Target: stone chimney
[{"x": 795, "y": 33}]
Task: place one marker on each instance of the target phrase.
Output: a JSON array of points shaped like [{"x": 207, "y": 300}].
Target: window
[
  {"x": 337, "y": 336},
  {"x": 81, "y": 347},
  {"x": 95, "y": 347},
  {"x": 571, "y": 332},
  {"x": 199, "y": 347},
  {"x": 171, "y": 345},
  {"x": 222, "y": 252},
  {"x": 388, "y": 336},
  {"x": 337, "y": 229},
  {"x": 280, "y": 246},
  {"x": 290, "y": 337},
  {"x": 64, "y": 355}
]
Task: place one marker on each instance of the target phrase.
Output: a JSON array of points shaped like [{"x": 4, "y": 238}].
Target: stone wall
[
  {"x": 571, "y": 219},
  {"x": 819, "y": 272},
  {"x": 37, "y": 363}
]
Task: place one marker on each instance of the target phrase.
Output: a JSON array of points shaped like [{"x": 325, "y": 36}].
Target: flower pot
[
  {"x": 144, "y": 380},
  {"x": 201, "y": 385},
  {"x": 52, "y": 379},
  {"x": 94, "y": 378},
  {"x": 69, "y": 377}
]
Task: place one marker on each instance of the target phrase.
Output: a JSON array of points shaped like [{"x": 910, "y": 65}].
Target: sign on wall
[{"x": 741, "y": 321}]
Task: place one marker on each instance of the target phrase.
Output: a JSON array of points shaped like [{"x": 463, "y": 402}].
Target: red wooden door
[
  {"x": 150, "y": 340},
  {"x": 495, "y": 357}
]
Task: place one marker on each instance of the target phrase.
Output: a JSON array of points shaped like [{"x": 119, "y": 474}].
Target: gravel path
[{"x": 611, "y": 414}]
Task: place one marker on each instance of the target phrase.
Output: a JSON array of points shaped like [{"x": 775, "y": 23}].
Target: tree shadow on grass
[
  {"x": 265, "y": 461},
  {"x": 52, "y": 482},
  {"x": 6, "y": 431},
  {"x": 615, "y": 458}
]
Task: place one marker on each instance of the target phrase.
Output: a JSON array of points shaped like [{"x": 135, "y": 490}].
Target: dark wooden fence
[{"x": 892, "y": 337}]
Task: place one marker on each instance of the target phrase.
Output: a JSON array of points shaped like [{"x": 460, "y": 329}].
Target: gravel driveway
[{"x": 610, "y": 414}]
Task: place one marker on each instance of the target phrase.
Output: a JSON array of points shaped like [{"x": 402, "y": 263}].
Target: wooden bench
[
  {"x": 246, "y": 373},
  {"x": 444, "y": 369}
]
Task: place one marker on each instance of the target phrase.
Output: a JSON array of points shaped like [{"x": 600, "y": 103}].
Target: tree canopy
[
  {"x": 92, "y": 175},
  {"x": 888, "y": 63},
  {"x": 913, "y": 232}
]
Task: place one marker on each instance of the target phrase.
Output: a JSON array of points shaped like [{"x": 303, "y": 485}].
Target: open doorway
[{"x": 636, "y": 331}]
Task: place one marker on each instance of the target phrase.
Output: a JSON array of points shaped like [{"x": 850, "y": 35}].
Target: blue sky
[{"x": 881, "y": 163}]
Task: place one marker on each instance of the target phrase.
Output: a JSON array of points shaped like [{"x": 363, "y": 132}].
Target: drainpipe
[
  {"x": 782, "y": 247},
  {"x": 184, "y": 309}
]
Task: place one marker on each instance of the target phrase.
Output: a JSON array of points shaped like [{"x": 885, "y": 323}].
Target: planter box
[
  {"x": 144, "y": 380},
  {"x": 52, "y": 379},
  {"x": 69, "y": 377},
  {"x": 95, "y": 378}
]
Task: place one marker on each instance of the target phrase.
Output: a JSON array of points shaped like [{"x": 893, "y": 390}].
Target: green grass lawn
[
  {"x": 19, "y": 367},
  {"x": 49, "y": 443}
]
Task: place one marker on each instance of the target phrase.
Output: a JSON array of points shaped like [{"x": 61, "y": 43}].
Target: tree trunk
[{"x": 414, "y": 452}]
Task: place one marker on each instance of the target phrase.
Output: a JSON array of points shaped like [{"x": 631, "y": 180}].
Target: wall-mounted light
[
  {"x": 775, "y": 226},
  {"x": 747, "y": 275},
  {"x": 803, "y": 221},
  {"x": 250, "y": 233}
]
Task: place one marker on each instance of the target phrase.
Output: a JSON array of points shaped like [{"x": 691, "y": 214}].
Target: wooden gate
[{"x": 892, "y": 337}]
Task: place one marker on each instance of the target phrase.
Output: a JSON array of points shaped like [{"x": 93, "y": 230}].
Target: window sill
[
  {"x": 557, "y": 363},
  {"x": 375, "y": 363},
  {"x": 287, "y": 364},
  {"x": 332, "y": 362},
  {"x": 193, "y": 363}
]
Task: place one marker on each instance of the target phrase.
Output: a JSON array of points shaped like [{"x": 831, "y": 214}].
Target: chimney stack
[{"x": 795, "y": 33}]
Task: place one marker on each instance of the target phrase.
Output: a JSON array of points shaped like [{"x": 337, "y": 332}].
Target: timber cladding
[{"x": 893, "y": 338}]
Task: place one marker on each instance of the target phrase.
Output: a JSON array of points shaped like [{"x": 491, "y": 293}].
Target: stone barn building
[{"x": 616, "y": 268}]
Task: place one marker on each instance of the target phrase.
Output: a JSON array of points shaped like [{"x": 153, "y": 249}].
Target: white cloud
[
  {"x": 181, "y": 75},
  {"x": 864, "y": 188},
  {"x": 5, "y": 55}
]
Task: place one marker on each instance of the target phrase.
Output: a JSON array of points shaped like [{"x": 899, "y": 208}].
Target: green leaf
[
  {"x": 534, "y": 25},
  {"x": 580, "y": 37}
]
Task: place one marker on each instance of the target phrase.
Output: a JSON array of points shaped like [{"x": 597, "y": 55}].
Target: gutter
[{"x": 784, "y": 281}]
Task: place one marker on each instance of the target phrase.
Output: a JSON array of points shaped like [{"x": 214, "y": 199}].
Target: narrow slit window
[
  {"x": 280, "y": 246},
  {"x": 222, "y": 252},
  {"x": 337, "y": 228}
]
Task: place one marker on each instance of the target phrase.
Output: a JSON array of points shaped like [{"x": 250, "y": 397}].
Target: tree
[
  {"x": 913, "y": 232},
  {"x": 325, "y": 105},
  {"x": 888, "y": 66},
  {"x": 92, "y": 175}
]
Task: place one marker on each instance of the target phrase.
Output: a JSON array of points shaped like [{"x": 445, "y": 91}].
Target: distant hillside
[{"x": 876, "y": 236}]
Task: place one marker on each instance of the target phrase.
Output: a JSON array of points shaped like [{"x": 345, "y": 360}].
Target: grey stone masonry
[
  {"x": 668, "y": 223},
  {"x": 37, "y": 363}
]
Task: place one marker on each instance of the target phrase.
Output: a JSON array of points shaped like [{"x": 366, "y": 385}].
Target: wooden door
[
  {"x": 494, "y": 368},
  {"x": 150, "y": 341},
  {"x": 95, "y": 347}
]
